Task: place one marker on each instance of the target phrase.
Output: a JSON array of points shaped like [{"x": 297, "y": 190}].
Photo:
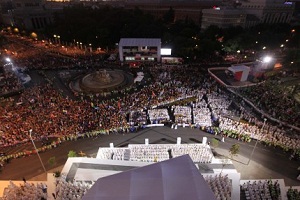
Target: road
[{"x": 266, "y": 163}]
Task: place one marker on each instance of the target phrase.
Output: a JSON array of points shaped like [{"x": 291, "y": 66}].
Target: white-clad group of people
[
  {"x": 73, "y": 190},
  {"x": 183, "y": 114},
  {"x": 157, "y": 116},
  {"x": 221, "y": 186},
  {"x": 25, "y": 191},
  {"x": 200, "y": 153},
  {"x": 262, "y": 189}
]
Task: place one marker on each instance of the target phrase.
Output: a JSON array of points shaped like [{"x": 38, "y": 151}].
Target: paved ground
[{"x": 266, "y": 162}]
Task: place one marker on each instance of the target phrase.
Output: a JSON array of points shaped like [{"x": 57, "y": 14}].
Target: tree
[
  {"x": 72, "y": 154},
  {"x": 169, "y": 16},
  {"x": 214, "y": 143},
  {"x": 234, "y": 150},
  {"x": 52, "y": 161}
]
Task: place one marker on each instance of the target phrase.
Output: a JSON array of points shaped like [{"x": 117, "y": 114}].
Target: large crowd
[
  {"x": 276, "y": 100},
  {"x": 49, "y": 113}
]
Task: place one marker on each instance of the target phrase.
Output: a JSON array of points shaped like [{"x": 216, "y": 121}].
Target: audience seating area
[
  {"x": 220, "y": 185},
  {"x": 71, "y": 190},
  {"x": 218, "y": 103},
  {"x": 111, "y": 153},
  {"x": 183, "y": 114},
  {"x": 25, "y": 191},
  {"x": 202, "y": 116},
  {"x": 199, "y": 153},
  {"x": 262, "y": 189},
  {"x": 157, "y": 116}
]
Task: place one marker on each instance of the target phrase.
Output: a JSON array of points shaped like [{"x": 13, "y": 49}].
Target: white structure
[
  {"x": 111, "y": 145},
  {"x": 241, "y": 72},
  {"x": 140, "y": 49},
  {"x": 178, "y": 140},
  {"x": 204, "y": 140}
]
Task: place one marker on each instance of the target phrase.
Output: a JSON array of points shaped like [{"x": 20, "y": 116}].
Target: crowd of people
[
  {"x": 276, "y": 100},
  {"x": 262, "y": 189},
  {"x": 199, "y": 153},
  {"x": 220, "y": 185},
  {"x": 49, "y": 113},
  {"x": 25, "y": 191},
  {"x": 70, "y": 189},
  {"x": 9, "y": 82}
]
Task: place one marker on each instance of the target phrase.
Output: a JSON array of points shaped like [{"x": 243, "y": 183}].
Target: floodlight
[{"x": 267, "y": 59}]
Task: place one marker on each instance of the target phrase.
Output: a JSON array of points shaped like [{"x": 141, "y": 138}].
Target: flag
[{"x": 153, "y": 94}]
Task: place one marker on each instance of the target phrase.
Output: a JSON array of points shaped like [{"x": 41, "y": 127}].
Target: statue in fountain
[{"x": 102, "y": 76}]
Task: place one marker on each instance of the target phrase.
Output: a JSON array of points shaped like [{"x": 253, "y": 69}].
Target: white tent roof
[{"x": 174, "y": 179}]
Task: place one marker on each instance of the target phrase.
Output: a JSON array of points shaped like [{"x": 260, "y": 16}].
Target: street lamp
[
  {"x": 58, "y": 37},
  {"x": 90, "y": 47},
  {"x": 265, "y": 119},
  {"x": 55, "y": 39},
  {"x": 37, "y": 152},
  {"x": 267, "y": 59}
]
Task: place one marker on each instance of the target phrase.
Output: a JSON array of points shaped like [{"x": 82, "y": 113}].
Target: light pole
[
  {"x": 58, "y": 37},
  {"x": 55, "y": 37},
  {"x": 37, "y": 152},
  {"x": 265, "y": 119}
]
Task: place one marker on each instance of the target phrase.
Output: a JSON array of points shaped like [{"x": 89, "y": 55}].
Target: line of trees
[{"x": 104, "y": 26}]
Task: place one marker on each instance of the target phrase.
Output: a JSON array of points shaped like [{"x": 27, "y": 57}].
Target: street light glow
[
  {"x": 267, "y": 59},
  {"x": 8, "y": 59}
]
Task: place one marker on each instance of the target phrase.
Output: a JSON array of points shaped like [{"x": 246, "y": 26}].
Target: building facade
[
  {"x": 140, "y": 49},
  {"x": 269, "y": 11},
  {"x": 27, "y": 14},
  {"x": 249, "y": 13}
]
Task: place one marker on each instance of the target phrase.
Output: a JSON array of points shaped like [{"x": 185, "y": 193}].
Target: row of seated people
[
  {"x": 155, "y": 153},
  {"x": 148, "y": 153},
  {"x": 262, "y": 189},
  {"x": 111, "y": 153},
  {"x": 220, "y": 185},
  {"x": 198, "y": 153},
  {"x": 202, "y": 116},
  {"x": 157, "y": 116},
  {"x": 183, "y": 114},
  {"x": 72, "y": 190},
  {"x": 25, "y": 191}
]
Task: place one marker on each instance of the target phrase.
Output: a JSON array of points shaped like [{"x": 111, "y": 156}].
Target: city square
[{"x": 78, "y": 120}]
